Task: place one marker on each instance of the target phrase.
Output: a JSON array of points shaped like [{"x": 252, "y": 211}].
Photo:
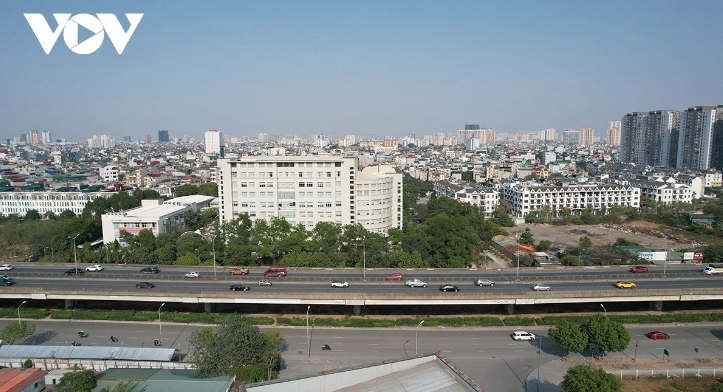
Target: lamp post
[
  {"x": 606, "y": 311},
  {"x": 75, "y": 255},
  {"x": 160, "y": 324},
  {"x": 518, "y": 257},
  {"x": 416, "y": 340},
  {"x": 19, "y": 324},
  {"x": 539, "y": 365},
  {"x": 308, "y": 341},
  {"x": 364, "y": 265},
  {"x": 213, "y": 249}
]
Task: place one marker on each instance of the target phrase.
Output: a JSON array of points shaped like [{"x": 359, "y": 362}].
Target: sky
[{"x": 359, "y": 67}]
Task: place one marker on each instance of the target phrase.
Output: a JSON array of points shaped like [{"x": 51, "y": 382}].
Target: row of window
[{"x": 42, "y": 203}]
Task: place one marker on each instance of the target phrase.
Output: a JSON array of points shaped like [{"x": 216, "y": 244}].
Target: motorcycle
[
  {"x": 113, "y": 339},
  {"x": 157, "y": 343},
  {"x": 82, "y": 334},
  {"x": 325, "y": 347},
  {"x": 74, "y": 343}
]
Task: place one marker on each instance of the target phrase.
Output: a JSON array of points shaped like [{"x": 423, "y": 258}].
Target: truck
[{"x": 710, "y": 270}]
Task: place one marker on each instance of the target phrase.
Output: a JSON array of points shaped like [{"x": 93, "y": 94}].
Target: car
[
  {"x": 150, "y": 270},
  {"x": 639, "y": 268},
  {"x": 624, "y": 285},
  {"x": 239, "y": 287},
  {"x": 395, "y": 276},
  {"x": 6, "y": 277},
  {"x": 541, "y": 287},
  {"x": 339, "y": 284},
  {"x": 192, "y": 274},
  {"x": 7, "y": 282},
  {"x": 448, "y": 287},
  {"x": 94, "y": 268},
  {"x": 6, "y": 267},
  {"x": 523, "y": 335},
  {"x": 265, "y": 282},
  {"x": 145, "y": 285},
  {"x": 238, "y": 271},
  {"x": 74, "y": 271},
  {"x": 657, "y": 335},
  {"x": 484, "y": 282},
  {"x": 415, "y": 283}
]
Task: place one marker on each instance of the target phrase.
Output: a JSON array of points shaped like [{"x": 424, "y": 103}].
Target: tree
[
  {"x": 32, "y": 215},
  {"x": 186, "y": 190},
  {"x": 411, "y": 260},
  {"x": 14, "y": 331},
  {"x": 569, "y": 336},
  {"x": 606, "y": 334},
  {"x": 543, "y": 245},
  {"x": 77, "y": 381},
  {"x": 585, "y": 242},
  {"x": 585, "y": 378},
  {"x": 123, "y": 386},
  {"x": 527, "y": 238},
  {"x": 571, "y": 261}
]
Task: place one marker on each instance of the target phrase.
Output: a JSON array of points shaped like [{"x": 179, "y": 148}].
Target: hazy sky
[{"x": 360, "y": 67}]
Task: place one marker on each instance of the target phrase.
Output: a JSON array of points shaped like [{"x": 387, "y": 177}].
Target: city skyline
[{"x": 372, "y": 68}]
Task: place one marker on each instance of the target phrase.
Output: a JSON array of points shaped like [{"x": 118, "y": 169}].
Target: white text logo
[{"x": 103, "y": 23}]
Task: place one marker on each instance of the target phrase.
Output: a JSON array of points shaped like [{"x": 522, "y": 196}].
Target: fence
[{"x": 667, "y": 372}]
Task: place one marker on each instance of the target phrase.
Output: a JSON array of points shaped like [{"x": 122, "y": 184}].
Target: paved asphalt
[{"x": 488, "y": 355}]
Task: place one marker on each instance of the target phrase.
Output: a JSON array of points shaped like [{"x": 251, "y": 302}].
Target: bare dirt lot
[{"x": 647, "y": 234}]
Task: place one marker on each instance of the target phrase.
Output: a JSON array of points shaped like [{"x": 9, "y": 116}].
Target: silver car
[
  {"x": 484, "y": 282},
  {"x": 265, "y": 282},
  {"x": 541, "y": 287},
  {"x": 416, "y": 283}
]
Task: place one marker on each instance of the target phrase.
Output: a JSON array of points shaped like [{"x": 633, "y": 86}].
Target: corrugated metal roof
[
  {"x": 428, "y": 376},
  {"x": 157, "y": 380},
  {"x": 88, "y": 352}
]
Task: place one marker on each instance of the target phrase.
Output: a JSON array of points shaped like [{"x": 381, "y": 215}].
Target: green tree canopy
[
  {"x": 527, "y": 238},
  {"x": 543, "y": 245},
  {"x": 77, "y": 381},
  {"x": 569, "y": 336},
  {"x": 585, "y": 378},
  {"x": 585, "y": 242},
  {"x": 16, "y": 331},
  {"x": 606, "y": 334}
]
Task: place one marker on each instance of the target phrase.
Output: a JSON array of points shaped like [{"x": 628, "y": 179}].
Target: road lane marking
[{"x": 372, "y": 344}]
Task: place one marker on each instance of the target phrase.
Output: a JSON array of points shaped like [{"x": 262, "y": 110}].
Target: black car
[
  {"x": 448, "y": 287},
  {"x": 74, "y": 271},
  {"x": 239, "y": 287},
  {"x": 145, "y": 285},
  {"x": 150, "y": 270},
  {"x": 7, "y": 282}
]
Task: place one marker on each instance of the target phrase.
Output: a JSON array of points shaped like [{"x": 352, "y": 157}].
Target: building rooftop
[{"x": 161, "y": 380}]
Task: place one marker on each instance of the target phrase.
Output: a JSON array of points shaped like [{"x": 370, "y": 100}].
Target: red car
[
  {"x": 395, "y": 276},
  {"x": 657, "y": 335},
  {"x": 639, "y": 268}
]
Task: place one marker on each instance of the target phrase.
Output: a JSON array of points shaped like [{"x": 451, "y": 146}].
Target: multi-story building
[
  {"x": 19, "y": 203},
  {"x": 716, "y": 155},
  {"x": 46, "y": 139},
  {"x": 587, "y": 136},
  {"x": 310, "y": 189},
  {"x": 214, "y": 141},
  {"x": 101, "y": 141},
  {"x": 571, "y": 137},
  {"x": 696, "y": 136},
  {"x": 34, "y": 139},
  {"x": 649, "y": 138},
  {"x": 526, "y": 198},
  {"x": 152, "y": 215},
  {"x": 662, "y": 191},
  {"x": 109, "y": 173},
  {"x": 713, "y": 178},
  {"x": 486, "y": 199},
  {"x": 163, "y": 136},
  {"x": 612, "y": 137}
]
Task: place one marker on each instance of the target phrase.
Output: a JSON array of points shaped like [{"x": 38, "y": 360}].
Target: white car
[
  {"x": 192, "y": 274},
  {"x": 339, "y": 284},
  {"x": 94, "y": 268},
  {"x": 265, "y": 282},
  {"x": 541, "y": 287},
  {"x": 523, "y": 335},
  {"x": 6, "y": 267}
]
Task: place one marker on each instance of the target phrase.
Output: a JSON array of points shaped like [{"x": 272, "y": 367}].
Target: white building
[
  {"x": 527, "y": 198},
  {"x": 152, "y": 215},
  {"x": 486, "y": 199},
  {"x": 109, "y": 173},
  {"x": 665, "y": 192},
  {"x": 713, "y": 178},
  {"x": 214, "y": 140},
  {"x": 310, "y": 189},
  {"x": 19, "y": 203}
]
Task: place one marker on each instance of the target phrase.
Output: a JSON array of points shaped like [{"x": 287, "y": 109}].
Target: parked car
[
  {"x": 339, "y": 284},
  {"x": 624, "y": 285},
  {"x": 265, "y": 282},
  {"x": 145, "y": 285},
  {"x": 150, "y": 270},
  {"x": 448, "y": 287},
  {"x": 523, "y": 335},
  {"x": 238, "y": 271},
  {"x": 239, "y": 287},
  {"x": 6, "y": 267},
  {"x": 639, "y": 268},
  {"x": 192, "y": 274},
  {"x": 416, "y": 283},
  {"x": 94, "y": 268},
  {"x": 484, "y": 282},
  {"x": 541, "y": 287},
  {"x": 657, "y": 335},
  {"x": 74, "y": 271},
  {"x": 395, "y": 276}
]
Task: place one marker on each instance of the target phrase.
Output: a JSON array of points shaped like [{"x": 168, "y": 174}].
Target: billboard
[
  {"x": 653, "y": 256},
  {"x": 693, "y": 257}
]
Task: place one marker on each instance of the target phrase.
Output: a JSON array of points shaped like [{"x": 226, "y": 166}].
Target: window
[
  {"x": 319, "y": 184},
  {"x": 302, "y": 184},
  {"x": 309, "y": 184},
  {"x": 327, "y": 204}
]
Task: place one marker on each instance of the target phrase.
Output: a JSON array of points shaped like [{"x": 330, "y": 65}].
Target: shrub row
[
  {"x": 641, "y": 319},
  {"x": 26, "y": 313}
]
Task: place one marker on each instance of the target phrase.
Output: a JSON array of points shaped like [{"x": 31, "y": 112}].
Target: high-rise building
[
  {"x": 649, "y": 138},
  {"x": 612, "y": 137},
  {"x": 587, "y": 137},
  {"x": 484, "y": 135},
  {"x": 571, "y": 137},
  {"x": 471, "y": 127},
  {"x": 214, "y": 140},
  {"x": 101, "y": 141},
  {"x": 45, "y": 137},
  {"x": 716, "y": 156},
  {"x": 163, "y": 136},
  {"x": 310, "y": 189},
  {"x": 34, "y": 139},
  {"x": 127, "y": 139},
  {"x": 696, "y": 136},
  {"x": 148, "y": 139}
]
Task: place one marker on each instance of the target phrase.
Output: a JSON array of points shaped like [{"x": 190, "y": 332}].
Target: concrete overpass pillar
[
  {"x": 357, "y": 310},
  {"x": 208, "y": 307},
  {"x": 510, "y": 308},
  {"x": 69, "y": 303},
  {"x": 656, "y": 305}
]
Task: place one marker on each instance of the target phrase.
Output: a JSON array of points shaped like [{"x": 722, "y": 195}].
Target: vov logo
[{"x": 103, "y": 23}]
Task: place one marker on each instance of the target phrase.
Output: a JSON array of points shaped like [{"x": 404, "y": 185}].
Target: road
[{"x": 488, "y": 355}]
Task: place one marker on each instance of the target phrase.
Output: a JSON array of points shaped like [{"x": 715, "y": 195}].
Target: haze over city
[{"x": 367, "y": 68}]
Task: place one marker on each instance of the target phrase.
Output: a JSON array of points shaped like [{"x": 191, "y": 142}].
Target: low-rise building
[
  {"x": 19, "y": 203},
  {"x": 152, "y": 215},
  {"x": 665, "y": 192},
  {"x": 486, "y": 199},
  {"x": 22, "y": 380}
]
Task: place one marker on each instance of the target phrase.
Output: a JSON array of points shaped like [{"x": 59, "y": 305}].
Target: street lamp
[
  {"x": 160, "y": 324},
  {"x": 606, "y": 311},
  {"x": 539, "y": 364},
  {"x": 213, "y": 249},
  {"x": 364, "y": 266},
  {"x": 518, "y": 257},
  {"x": 416, "y": 341},
  {"x": 308, "y": 342},
  {"x": 75, "y": 254},
  {"x": 19, "y": 324}
]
